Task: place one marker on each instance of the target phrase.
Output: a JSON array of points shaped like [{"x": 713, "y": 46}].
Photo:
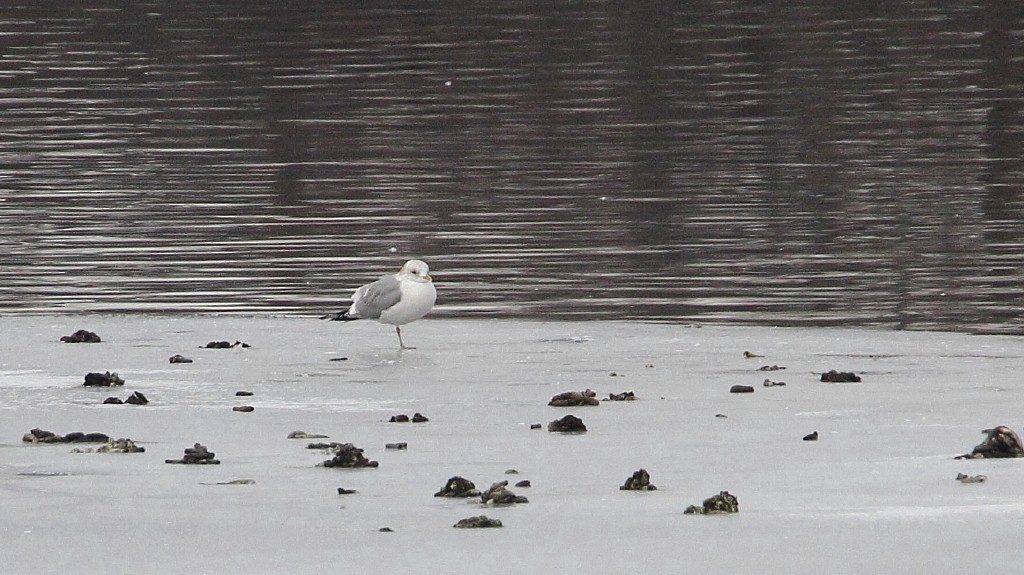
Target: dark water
[{"x": 815, "y": 163}]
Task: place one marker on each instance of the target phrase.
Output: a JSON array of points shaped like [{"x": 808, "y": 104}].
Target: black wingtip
[{"x": 339, "y": 316}]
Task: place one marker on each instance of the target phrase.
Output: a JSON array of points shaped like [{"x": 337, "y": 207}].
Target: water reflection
[{"x": 798, "y": 164}]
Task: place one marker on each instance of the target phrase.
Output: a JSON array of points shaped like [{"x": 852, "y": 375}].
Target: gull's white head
[{"x": 417, "y": 270}]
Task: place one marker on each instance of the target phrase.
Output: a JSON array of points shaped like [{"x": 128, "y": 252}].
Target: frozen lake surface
[{"x": 875, "y": 494}]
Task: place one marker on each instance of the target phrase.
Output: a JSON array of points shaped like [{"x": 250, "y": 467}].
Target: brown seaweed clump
[
  {"x": 574, "y": 399},
  {"x": 458, "y": 487},
  {"x": 403, "y": 418},
  {"x": 833, "y": 376},
  {"x": 198, "y": 454},
  {"x": 499, "y": 494},
  {"x": 1000, "y": 442},
  {"x": 722, "y": 503},
  {"x": 81, "y": 336},
  {"x": 42, "y": 436},
  {"x": 481, "y": 521},
  {"x": 347, "y": 455},
  {"x": 624, "y": 396},
  {"x": 225, "y": 344},
  {"x": 122, "y": 445},
  {"x": 639, "y": 481},
  {"x": 304, "y": 435},
  {"x": 107, "y": 379},
  {"x": 568, "y": 424}
]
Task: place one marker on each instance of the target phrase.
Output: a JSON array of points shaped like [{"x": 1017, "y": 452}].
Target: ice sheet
[{"x": 875, "y": 494}]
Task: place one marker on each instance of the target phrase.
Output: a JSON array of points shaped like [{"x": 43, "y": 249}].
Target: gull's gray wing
[{"x": 372, "y": 299}]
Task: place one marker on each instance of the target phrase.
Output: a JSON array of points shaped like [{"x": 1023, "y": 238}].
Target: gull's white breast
[{"x": 417, "y": 299}]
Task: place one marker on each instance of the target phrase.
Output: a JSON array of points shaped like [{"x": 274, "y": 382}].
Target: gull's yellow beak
[{"x": 428, "y": 278}]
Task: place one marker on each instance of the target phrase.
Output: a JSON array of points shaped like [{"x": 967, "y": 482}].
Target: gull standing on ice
[{"x": 393, "y": 299}]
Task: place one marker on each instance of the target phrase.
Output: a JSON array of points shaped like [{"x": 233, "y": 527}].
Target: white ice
[{"x": 875, "y": 494}]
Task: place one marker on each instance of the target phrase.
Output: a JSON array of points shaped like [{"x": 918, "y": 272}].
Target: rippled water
[{"x": 777, "y": 163}]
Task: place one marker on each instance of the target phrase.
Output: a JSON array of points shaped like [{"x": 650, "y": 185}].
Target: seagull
[{"x": 393, "y": 299}]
